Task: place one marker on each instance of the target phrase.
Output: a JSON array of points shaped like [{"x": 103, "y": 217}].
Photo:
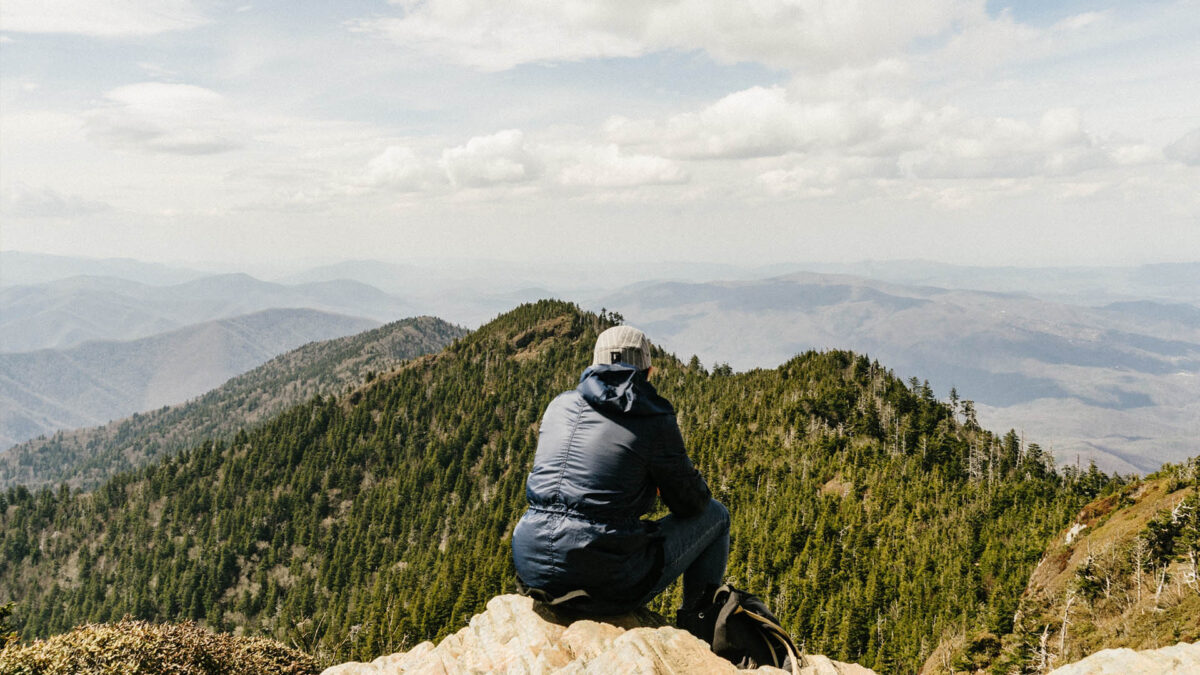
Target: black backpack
[{"x": 741, "y": 630}]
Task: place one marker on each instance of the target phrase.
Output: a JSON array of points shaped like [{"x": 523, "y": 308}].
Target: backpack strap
[
  {"x": 565, "y": 597},
  {"x": 548, "y": 599},
  {"x": 731, "y": 605},
  {"x": 777, "y": 632}
]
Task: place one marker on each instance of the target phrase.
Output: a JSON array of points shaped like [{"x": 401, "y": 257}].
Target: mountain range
[
  {"x": 20, "y": 268},
  {"x": 1117, "y": 384},
  {"x": 1090, "y": 286},
  {"x": 1097, "y": 363},
  {"x": 432, "y": 278},
  {"x": 86, "y": 457},
  {"x": 94, "y": 383},
  {"x": 68, "y": 312}
]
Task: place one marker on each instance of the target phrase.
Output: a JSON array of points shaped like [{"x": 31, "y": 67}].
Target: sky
[{"x": 759, "y": 132}]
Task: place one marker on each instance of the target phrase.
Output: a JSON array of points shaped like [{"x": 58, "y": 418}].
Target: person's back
[{"x": 605, "y": 450}]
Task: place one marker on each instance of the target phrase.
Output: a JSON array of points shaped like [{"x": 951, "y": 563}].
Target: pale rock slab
[
  {"x": 516, "y": 637},
  {"x": 1180, "y": 659}
]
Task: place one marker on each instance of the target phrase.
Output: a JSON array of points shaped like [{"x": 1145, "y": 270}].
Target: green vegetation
[
  {"x": 1124, "y": 575},
  {"x": 873, "y": 518},
  {"x": 86, "y": 457},
  {"x": 7, "y": 634},
  {"x": 140, "y": 647}
]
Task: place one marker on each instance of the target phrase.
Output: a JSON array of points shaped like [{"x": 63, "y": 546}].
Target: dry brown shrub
[{"x": 132, "y": 647}]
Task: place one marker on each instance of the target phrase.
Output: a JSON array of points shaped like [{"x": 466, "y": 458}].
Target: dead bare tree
[
  {"x": 1179, "y": 511},
  {"x": 1066, "y": 621},
  {"x": 1140, "y": 551},
  {"x": 1043, "y": 654},
  {"x": 1160, "y": 580},
  {"x": 974, "y": 462}
]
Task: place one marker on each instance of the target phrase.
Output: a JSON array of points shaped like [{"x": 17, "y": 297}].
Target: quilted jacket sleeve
[{"x": 682, "y": 488}]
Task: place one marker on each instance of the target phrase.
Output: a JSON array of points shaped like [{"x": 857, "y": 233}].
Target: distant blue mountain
[
  {"x": 18, "y": 268},
  {"x": 68, "y": 312},
  {"x": 48, "y": 390},
  {"x": 1118, "y": 383}
]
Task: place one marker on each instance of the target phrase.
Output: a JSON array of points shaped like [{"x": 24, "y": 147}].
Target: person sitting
[{"x": 605, "y": 450}]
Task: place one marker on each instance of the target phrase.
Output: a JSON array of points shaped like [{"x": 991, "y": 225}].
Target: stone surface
[
  {"x": 1181, "y": 658},
  {"x": 515, "y": 636},
  {"x": 815, "y": 664}
]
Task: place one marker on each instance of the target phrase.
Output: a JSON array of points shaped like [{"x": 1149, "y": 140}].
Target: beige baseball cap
[{"x": 624, "y": 344}]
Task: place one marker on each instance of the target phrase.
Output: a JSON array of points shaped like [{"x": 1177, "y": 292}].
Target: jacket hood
[{"x": 621, "y": 388}]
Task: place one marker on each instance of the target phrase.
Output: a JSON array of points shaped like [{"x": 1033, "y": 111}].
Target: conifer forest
[{"x": 872, "y": 517}]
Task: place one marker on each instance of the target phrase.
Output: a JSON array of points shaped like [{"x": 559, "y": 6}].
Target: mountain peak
[{"x": 515, "y": 635}]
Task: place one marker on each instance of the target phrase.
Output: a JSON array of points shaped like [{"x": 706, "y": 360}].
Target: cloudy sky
[{"x": 1022, "y": 132}]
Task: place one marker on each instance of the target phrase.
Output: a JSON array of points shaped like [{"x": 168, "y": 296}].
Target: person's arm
[{"x": 680, "y": 485}]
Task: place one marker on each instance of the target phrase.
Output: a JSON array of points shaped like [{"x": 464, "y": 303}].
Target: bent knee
[{"x": 719, "y": 509}]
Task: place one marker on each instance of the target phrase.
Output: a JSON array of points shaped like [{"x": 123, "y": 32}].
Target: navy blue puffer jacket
[{"x": 604, "y": 450}]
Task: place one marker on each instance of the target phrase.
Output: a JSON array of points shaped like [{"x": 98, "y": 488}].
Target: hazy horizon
[
  {"x": 1077, "y": 356},
  {"x": 292, "y": 266}
]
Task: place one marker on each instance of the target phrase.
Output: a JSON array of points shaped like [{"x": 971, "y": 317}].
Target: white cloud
[
  {"x": 399, "y": 168},
  {"x": 824, "y": 176},
  {"x": 99, "y": 18},
  {"x": 798, "y": 182},
  {"x": 927, "y": 142},
  {"x": 23, "y": 201},
  {"x": 878, "y": 79},
  {"x": 1080, "y": 190},
  {"x": 1135, "y": 154},
  {"x": 780, "y": 33},
  {"x": 1185, "y": 149},
  {"x": 867, "y": 113},
  {"x": 988, "y": 41},
  {"x": 956, "y": 195},
  {"x": 1062, "y": 127},
  {"x": 510, "y": 158},
  {"x": 168, "y": 118},
  {"x": 756, "y": 122},
  {"x": 982, "y": 147},
  {"x": 490, "y": 160},
  {"x": 606, "y": 167},
  {"x": 772, "y": 121}
]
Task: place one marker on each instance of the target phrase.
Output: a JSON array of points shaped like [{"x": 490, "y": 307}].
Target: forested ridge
[
  {"x": 84, "y": 458},
  {"x": 1123, "y": 575},
  {"x": 873, "y": 518}
]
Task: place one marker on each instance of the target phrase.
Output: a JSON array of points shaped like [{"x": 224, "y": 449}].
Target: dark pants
[{"x": 697, "y": 548}]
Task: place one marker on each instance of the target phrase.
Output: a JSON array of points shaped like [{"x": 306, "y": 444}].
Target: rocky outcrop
[
  {"x": 516, "y": 636},
  {"x": 1183, "y": 658}
]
